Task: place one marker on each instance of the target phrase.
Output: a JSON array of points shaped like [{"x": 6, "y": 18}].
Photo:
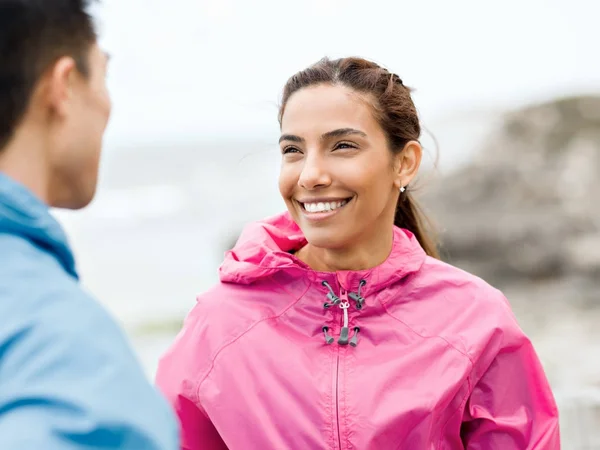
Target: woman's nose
[{"x": 314, "y": 174}]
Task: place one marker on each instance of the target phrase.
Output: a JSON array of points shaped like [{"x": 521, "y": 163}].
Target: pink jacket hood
[
  {"x": 412, "y": 354},
  {"x": 264, "y": 248}
]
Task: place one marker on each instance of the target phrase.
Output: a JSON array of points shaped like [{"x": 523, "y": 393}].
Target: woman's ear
[{"x": 407, "y": 163}]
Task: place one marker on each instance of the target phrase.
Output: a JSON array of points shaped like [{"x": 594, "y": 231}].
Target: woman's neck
[{"x": 358, "y": 257}]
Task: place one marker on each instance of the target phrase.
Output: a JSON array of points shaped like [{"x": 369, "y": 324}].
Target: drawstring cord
[
  {"x": 344, "y": 305},
  {"x": 360, "y": 301},
  {"x": 354, "y": 340},
  {"x": 328, "y": 338},
  {"x": 333, "y": 299}
]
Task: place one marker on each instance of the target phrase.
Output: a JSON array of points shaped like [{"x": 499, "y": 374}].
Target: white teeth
[{"x": 323, "y": 206}]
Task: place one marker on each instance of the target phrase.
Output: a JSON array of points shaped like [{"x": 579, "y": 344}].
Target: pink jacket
[{"x": 433, "y": 357}]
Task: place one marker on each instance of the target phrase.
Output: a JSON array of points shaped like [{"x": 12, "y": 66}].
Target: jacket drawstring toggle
[{"x": 344, "y": 304}]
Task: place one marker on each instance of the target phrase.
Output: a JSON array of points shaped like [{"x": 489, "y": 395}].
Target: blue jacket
[{"x": 68, "y": 376}]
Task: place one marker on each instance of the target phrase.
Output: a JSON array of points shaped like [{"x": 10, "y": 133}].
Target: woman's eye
[
  {"x": 289, "y": 150},
  {"x": 344, "y": 145}
]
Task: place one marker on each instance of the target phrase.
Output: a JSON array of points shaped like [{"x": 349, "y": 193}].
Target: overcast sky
[{"x": 191, "y": 69}]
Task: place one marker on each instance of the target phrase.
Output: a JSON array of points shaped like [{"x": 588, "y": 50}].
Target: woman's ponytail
[{"x": 410, "y": 216}]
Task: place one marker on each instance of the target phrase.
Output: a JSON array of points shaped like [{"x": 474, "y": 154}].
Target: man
[{"x": 68, "y": 377}]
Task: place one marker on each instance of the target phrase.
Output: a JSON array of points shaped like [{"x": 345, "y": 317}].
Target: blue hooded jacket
[{"x": 68, "y": 376}]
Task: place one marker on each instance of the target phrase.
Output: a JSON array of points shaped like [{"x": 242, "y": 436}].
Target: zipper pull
[
  {"x": 343, "y": 340},
  {"x": 328, "y": 338},
  {"x": 354, "y": 340}
]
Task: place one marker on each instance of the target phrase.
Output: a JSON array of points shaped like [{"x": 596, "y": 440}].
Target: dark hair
[
  {"x": 394, "y": 110},
  {"x": 34, "y": 34}
]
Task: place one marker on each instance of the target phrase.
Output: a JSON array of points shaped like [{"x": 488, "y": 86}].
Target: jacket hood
[
  {"x": 23, "y": 214},
  {"x": 265, "y": 248}
]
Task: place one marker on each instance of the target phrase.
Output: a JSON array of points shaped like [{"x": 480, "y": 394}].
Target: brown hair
[
  {"x": 34, "y": 34},
  {"x": 393, "y": 109}
]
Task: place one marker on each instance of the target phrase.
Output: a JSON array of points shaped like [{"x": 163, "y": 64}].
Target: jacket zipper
[
  {"x": 344, "y": 304},
  {"x": 337, "y": 400}
]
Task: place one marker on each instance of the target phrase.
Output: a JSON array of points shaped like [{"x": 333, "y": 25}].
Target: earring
[{"x": 402, "y": 189}]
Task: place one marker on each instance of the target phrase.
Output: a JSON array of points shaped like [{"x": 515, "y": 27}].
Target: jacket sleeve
[
  {"x": 177, "y": 377},
  {"x": 511, "y": 405},
  {"x": 69, "y": 381}
]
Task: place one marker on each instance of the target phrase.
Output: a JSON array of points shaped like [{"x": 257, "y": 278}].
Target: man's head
[{"x": 54, "y": 104}]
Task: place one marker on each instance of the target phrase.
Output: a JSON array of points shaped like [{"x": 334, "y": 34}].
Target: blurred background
[{"x": 509, "y": 92}]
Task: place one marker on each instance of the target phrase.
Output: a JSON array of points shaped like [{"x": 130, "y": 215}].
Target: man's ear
[
  {"x": 58, "y": 83},
  {"x": 407, "y": 163}
]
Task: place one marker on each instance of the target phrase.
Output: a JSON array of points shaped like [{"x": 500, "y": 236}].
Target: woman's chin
[{"x": 326, "y": 239}]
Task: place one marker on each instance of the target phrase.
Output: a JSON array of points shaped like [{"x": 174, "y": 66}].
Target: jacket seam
[
  {"x": 468, "y": 393},
  {"x": 464, "y": 353},
  {"x": 346, "y": 426},
  {"x": 463, "y": 402},
  {"x": 235, "y": 339}
]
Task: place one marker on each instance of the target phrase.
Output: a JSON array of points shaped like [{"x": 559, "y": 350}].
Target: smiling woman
[
  {"x": 334, "y": 325},
  {"x": 335, "y": 151}
]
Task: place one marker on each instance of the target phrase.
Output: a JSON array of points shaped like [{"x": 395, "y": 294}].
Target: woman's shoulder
[
  {"x": 459, "y": 285},
  {"x": 226, "y": 308},
  {"x": 221, "y": 316},
  {"x": 225, "y": 312},
  {"x": 453, "y": 304}
]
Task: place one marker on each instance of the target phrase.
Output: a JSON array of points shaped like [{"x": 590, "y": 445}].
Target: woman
[{"x": 334, "y": 325}]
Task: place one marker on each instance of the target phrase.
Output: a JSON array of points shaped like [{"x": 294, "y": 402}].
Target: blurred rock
[
  {"x": 527, "y": 207},
  {"x": 525, "y": 216}
]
